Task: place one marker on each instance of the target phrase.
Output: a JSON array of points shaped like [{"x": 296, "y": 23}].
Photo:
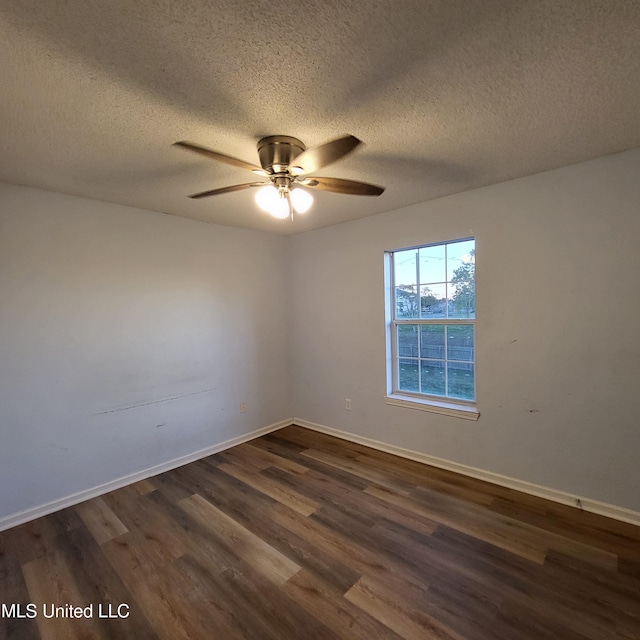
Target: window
[{"x": 432, "y": 310}]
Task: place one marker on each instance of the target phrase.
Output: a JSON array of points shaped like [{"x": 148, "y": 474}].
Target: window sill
[{"x": 434, "y": 406}]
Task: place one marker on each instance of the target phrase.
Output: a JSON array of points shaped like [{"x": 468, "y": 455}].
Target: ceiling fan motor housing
[{"x": 277, "y": 152}]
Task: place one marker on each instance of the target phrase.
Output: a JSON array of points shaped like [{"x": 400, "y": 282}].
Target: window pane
[
  {"x": 460, "y": 342},
  {"x": 463, "y": 299},
  {"x": 408, "y": 375},
  {"x": 433, "y": 266},
  {"x": 458, "y": 255},
  {"x": 433, "y": 301},
  {"x": 432, "y": 341},
  {"x": 432, "y": 372},
  {"x": 406, "y": 302},
  {"x": 461, "y": 380},
  {"x": 408, "y": 341},
  {"x": 405, "y": 267}
]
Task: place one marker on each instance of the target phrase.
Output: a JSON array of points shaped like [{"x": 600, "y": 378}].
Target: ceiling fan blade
[
  {"x": 326, "y": 154},
  {"x": 221, "y": 157},
  {"x": 338, "y": 185},
  {"x": 235, "y": 187}
]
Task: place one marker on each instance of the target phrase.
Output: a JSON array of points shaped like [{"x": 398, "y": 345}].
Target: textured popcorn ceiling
[{"x": 448, "y": 95}]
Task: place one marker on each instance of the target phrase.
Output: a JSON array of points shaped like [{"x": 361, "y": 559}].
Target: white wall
[
  {"x": 128, "y": 339},
  {"x": 558, "y": 347}
]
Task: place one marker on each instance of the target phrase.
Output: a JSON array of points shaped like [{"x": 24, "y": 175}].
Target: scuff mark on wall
[{"x": 145, "y": 404}]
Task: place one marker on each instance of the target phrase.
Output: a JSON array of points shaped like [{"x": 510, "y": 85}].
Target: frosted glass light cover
[
  {"x": 281, "y": 208},
  {"x": 267, "y": 198},
  {"x": 301, "y": 200}
]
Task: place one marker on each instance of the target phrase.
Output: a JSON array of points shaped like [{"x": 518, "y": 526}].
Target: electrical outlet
[
  {"x": 243, "y": 407},
  {"x": 347, "y": 404}
]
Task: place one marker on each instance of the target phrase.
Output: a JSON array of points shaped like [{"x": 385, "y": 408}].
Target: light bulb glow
[
  {"x": 278, "y": 201},
  {"x": 267, "y": 197},
  {"x": 274, "y": 202},
  {"x": 280, "y": 208},
  {"x": 301, "y": 200}
]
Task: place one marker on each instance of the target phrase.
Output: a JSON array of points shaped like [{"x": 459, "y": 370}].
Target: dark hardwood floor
[{"x": 301, "y": 535}]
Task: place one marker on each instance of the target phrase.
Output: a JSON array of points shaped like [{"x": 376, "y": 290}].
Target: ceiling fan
[{"x": 287, "y": 163}]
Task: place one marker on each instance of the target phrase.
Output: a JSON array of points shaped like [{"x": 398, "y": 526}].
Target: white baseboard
[
  {"x": 68, "y": 501},
  {"x": 593, "y": 506}
]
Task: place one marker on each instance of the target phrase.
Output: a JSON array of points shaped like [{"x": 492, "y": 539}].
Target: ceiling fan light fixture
[
  {"x": 301, "y": 200},
  {"x": 282, "y": 210},
  {"x": 271, "y": 200},
  {"x": 267, "y": 197}
]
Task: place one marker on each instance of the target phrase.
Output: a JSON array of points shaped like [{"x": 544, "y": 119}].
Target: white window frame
[{"x": 445, "y": 405}]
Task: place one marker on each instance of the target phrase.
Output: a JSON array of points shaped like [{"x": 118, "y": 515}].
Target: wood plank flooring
[{"x": 301, "y": 535}]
